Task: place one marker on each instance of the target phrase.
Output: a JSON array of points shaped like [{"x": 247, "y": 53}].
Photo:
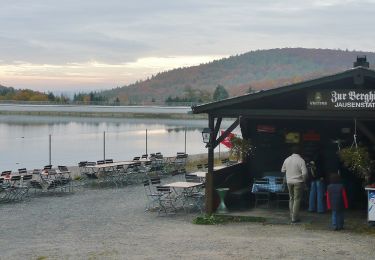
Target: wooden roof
[{"x": 290, "y": 101}]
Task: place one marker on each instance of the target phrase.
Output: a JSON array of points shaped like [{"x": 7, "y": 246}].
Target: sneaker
[{"x": 296, "y": 221}]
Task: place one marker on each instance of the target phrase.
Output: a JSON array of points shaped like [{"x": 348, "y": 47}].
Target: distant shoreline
[
  {"x": 101, "y": 111},
  {"x": 105, "y": 114}
]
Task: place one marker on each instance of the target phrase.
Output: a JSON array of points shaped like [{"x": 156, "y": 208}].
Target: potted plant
[
  {"x": 241, "y": 148},
  {"x": 358, "y": 160}
]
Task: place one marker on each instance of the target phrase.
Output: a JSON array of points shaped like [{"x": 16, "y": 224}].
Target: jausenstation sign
[{"x": 343, "y": 99}]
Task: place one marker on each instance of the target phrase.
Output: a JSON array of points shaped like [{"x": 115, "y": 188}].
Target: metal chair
[
  {"x": 64, "y": 177},
  {"x": 166, "y": 200},
  {"x": 151, "y": 195},
  {"x": 262, "y": 195},
  {"x": 200, "y": 167},
  {"x": 282, "y": 196}
]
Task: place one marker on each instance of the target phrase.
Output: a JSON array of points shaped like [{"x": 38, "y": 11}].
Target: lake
[{"x": 24, "y": 140}]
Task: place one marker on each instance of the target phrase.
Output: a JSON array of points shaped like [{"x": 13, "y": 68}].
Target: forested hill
[{"x": 262, "y": 69}]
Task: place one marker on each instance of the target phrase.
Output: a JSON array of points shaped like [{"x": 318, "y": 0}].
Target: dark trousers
[{"x": 337, "y": 219}]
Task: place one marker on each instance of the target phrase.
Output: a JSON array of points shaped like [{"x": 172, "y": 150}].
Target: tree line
[
  {"x": 192, "y": 95},
  {"x": 12, "y": 94}
]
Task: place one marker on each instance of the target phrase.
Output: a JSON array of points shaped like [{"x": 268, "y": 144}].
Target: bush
[{"x": 221, "y": 219}]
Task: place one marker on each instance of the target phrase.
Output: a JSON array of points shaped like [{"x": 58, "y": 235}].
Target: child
[{"x": 337, "y": 201}]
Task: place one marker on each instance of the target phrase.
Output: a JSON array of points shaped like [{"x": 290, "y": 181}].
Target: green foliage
[
  {"x": 224, "y": 219},
  {"x": 220, "y": 93},
  {"x": 92, "y": 98},
  {"x": 241, "y": 148},
  {"x": 190, "y": 96},
  {"x": 357, "y": 159}
]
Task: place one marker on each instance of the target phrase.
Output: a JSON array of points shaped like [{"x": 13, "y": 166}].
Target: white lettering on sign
[
  {"x": 343, "y": 99},
  {"x": 337, "y": 96},
  {"x": 367, "y": 97}
]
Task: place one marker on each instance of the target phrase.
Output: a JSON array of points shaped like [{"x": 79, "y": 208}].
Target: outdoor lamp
[{"x": 206, "y": 135}]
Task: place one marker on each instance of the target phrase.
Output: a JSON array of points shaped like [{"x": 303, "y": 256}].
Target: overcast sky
[{"x": 97, "y": 44}]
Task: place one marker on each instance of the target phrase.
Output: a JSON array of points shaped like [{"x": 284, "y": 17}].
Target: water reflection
[{"x": 24, "y": 140}]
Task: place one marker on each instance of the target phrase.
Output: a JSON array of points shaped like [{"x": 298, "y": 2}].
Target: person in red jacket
[{"x": 337, "y": 201}]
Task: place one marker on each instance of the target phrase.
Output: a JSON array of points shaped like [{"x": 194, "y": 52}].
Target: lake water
[{"x": 24, "y": 140}]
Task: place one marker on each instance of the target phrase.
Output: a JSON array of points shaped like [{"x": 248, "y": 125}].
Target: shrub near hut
[
  {"x": 358, "y": 160},
  {"x": 241, "y": 148}
]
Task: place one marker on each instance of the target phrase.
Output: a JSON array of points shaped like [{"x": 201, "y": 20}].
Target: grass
[{"x": 223, "y": 219}]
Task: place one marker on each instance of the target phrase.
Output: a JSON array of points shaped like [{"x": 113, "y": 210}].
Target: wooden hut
[{"x": 318, "y": 114}]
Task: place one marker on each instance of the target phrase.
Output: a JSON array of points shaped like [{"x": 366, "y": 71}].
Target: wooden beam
[
  {"x": 295, "y": 114},
  {"x": 217, "y": 127},
  {"x": 227, "y": 132}
]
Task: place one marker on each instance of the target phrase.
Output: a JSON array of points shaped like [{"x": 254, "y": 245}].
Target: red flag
[{"x": 227, "y": 141}]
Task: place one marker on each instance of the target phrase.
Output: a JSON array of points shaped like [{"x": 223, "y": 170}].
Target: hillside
[{"x": 262, "y": 69}]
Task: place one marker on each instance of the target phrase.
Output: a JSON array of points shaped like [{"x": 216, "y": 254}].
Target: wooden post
[{"x": 210, "y": 170}]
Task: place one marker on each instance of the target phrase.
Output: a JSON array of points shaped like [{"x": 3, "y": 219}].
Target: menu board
[{"x": 371, "y": 205}]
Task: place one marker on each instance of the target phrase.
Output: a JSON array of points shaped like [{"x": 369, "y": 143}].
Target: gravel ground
[{"x": 111, "y": 223}]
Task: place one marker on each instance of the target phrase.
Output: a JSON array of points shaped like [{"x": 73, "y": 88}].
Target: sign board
[
  {"x": 371, "y": 205},
  {"x": 342, "y": 99},
  {"x": 292, "y": 138},
  {"x": 311, "y": 136},
  {"x": 266, "y": 128}
]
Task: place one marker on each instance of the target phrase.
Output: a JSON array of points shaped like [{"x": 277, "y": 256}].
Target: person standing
[
  {"x": 296, "y": 174},
  {"x": 316, "y": 197},
  {"x": 337, "y": 201}
]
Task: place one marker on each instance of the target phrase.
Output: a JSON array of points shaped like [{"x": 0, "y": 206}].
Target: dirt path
[{"x": 112, "y": 224}]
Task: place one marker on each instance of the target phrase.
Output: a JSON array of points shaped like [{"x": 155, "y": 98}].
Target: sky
[{"x": 71, "y": 45}]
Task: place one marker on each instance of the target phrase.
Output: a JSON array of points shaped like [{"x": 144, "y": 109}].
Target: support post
[
  {"x": 185, "y": 140},
  {"x": 49, "y": 149},
  {"x": 104, "y": 145},
  {"x": 210, "y": 170},
  {"x": 146, "y": 141}
]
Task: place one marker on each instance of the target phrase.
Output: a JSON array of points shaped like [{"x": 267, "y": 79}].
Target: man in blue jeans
[{"x": 316, "y": 198}]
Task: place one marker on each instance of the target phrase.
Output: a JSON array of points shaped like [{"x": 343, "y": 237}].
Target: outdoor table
[
  {"x": 270, "y": 187},
  {"x": 98, "y": 167},
  {"x": 108, "y": 171},
  {"x": 187, "y": 188},
  {"x": 183, "y": 184},
  {"x": 199, "y": 174}
]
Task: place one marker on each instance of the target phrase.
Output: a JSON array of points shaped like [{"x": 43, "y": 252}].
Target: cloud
[{"x": 127, "y": 33}]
